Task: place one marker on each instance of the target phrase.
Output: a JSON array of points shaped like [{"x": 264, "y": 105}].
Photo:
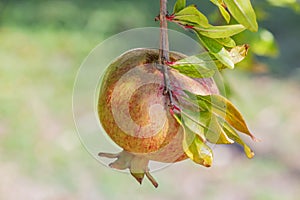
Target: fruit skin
[{"x": 133, "y": 110}]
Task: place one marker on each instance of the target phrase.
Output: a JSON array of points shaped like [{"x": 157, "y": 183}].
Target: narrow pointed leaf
[
  {"x": 195, "y": 67},
  {"x": 227, "y": 42},
  {"x": 205, "y": 125},
  {"x": 191, "y": 16},
  {"x": 232, "y": 134},
  {"x": 205, "y": 59},
  {"x": 211, "y": 44},
  {"x": 243, "y": 12},
  {"x": 220, "y": 31},
  {"x": 228, "y": 111},
  {"x": 179, "y": 5},
  {"x": 194, "y": 70},
  {"x": 223, "y": 11},
  {"x": 237, "y": 54},
  {"x": 200, "y": 105},
  {"x": 198, "y": 151},
  {"x": 224, "y": 57},
  {"x": 215, "y": 133},
  {"x": 217, "y": 50},
  {"x": 194, "y": 147},
  {"x": 195, "y": 121}
]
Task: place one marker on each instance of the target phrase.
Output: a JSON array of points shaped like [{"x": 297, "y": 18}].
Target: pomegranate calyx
[{"x": 137, "y": 164}]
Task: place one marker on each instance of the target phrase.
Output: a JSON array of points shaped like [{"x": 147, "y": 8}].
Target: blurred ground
[{"x": 42, "y": 158}]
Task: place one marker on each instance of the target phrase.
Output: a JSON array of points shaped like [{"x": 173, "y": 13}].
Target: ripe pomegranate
[{"x": 135, "y": 113}]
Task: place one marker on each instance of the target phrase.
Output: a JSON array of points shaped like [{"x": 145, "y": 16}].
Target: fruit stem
[{"x": 164, "y": 48}]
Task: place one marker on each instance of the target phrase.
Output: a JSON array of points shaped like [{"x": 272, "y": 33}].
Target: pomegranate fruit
[{"x": 136, "y": 114}]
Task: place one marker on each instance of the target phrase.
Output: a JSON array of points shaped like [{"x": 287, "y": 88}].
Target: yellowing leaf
[
  {"x": 220, "y": 31},
  {"x": 205, "y": 125},
  {"x": 215, "y": 133},
  {"x": 238, "y": 53},
  {"x": 243, "y": 12},
  {"x": 191, "y": 16},
  {"x": 228, "y": 111},
  {"x": 194, "y": 146},
  {"x": 212, "y": 122},
  {"x": 198, "y": 151},
  {"x": 232, "y": 134}
]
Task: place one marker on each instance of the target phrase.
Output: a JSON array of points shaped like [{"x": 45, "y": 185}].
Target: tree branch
[{"x": 164, "y": 48}]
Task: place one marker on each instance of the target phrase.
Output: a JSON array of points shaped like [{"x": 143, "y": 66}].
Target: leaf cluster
[
  {"x": 216, "y": 121},
  {"x": 213, "y": 119},
  {"x": 217, "y": 39}
]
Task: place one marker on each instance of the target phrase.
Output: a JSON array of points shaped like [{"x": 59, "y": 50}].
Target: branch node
[{"x": 157, "y": 18}]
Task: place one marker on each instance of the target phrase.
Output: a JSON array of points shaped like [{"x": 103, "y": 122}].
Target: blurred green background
[{"x": 42, "y": 44}]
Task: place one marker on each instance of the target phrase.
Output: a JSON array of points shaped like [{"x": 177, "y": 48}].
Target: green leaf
[
  {"x": 243, "y": 12},
  {"x": 205, "y": 125},
  {"x": 200, "y": 66},
  {"x": 215, "y": 133},
  {"x": 195, "y": 121},
  {"x": 191, "y": 16},
  {"x": 211, "y": 62},
  {"x": 224, "y": 108},
  {"x": 237, "y": 54},
  {"x": 227, "y": 42},
  {"x": 198, "y": 106},
  {"x": 223, "y": 58},
  {"x": 217, "y": 50},
  {"x": 210, "y": 44},
  {"x": 223, "y": 11},
  {"x": 205, "y": 59},
  {"x": 232, "y": 134},
  {"x": 220, "y": 31},
  {"x": 179, "y": 5},
  {"x": 194, "y": 70}
]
